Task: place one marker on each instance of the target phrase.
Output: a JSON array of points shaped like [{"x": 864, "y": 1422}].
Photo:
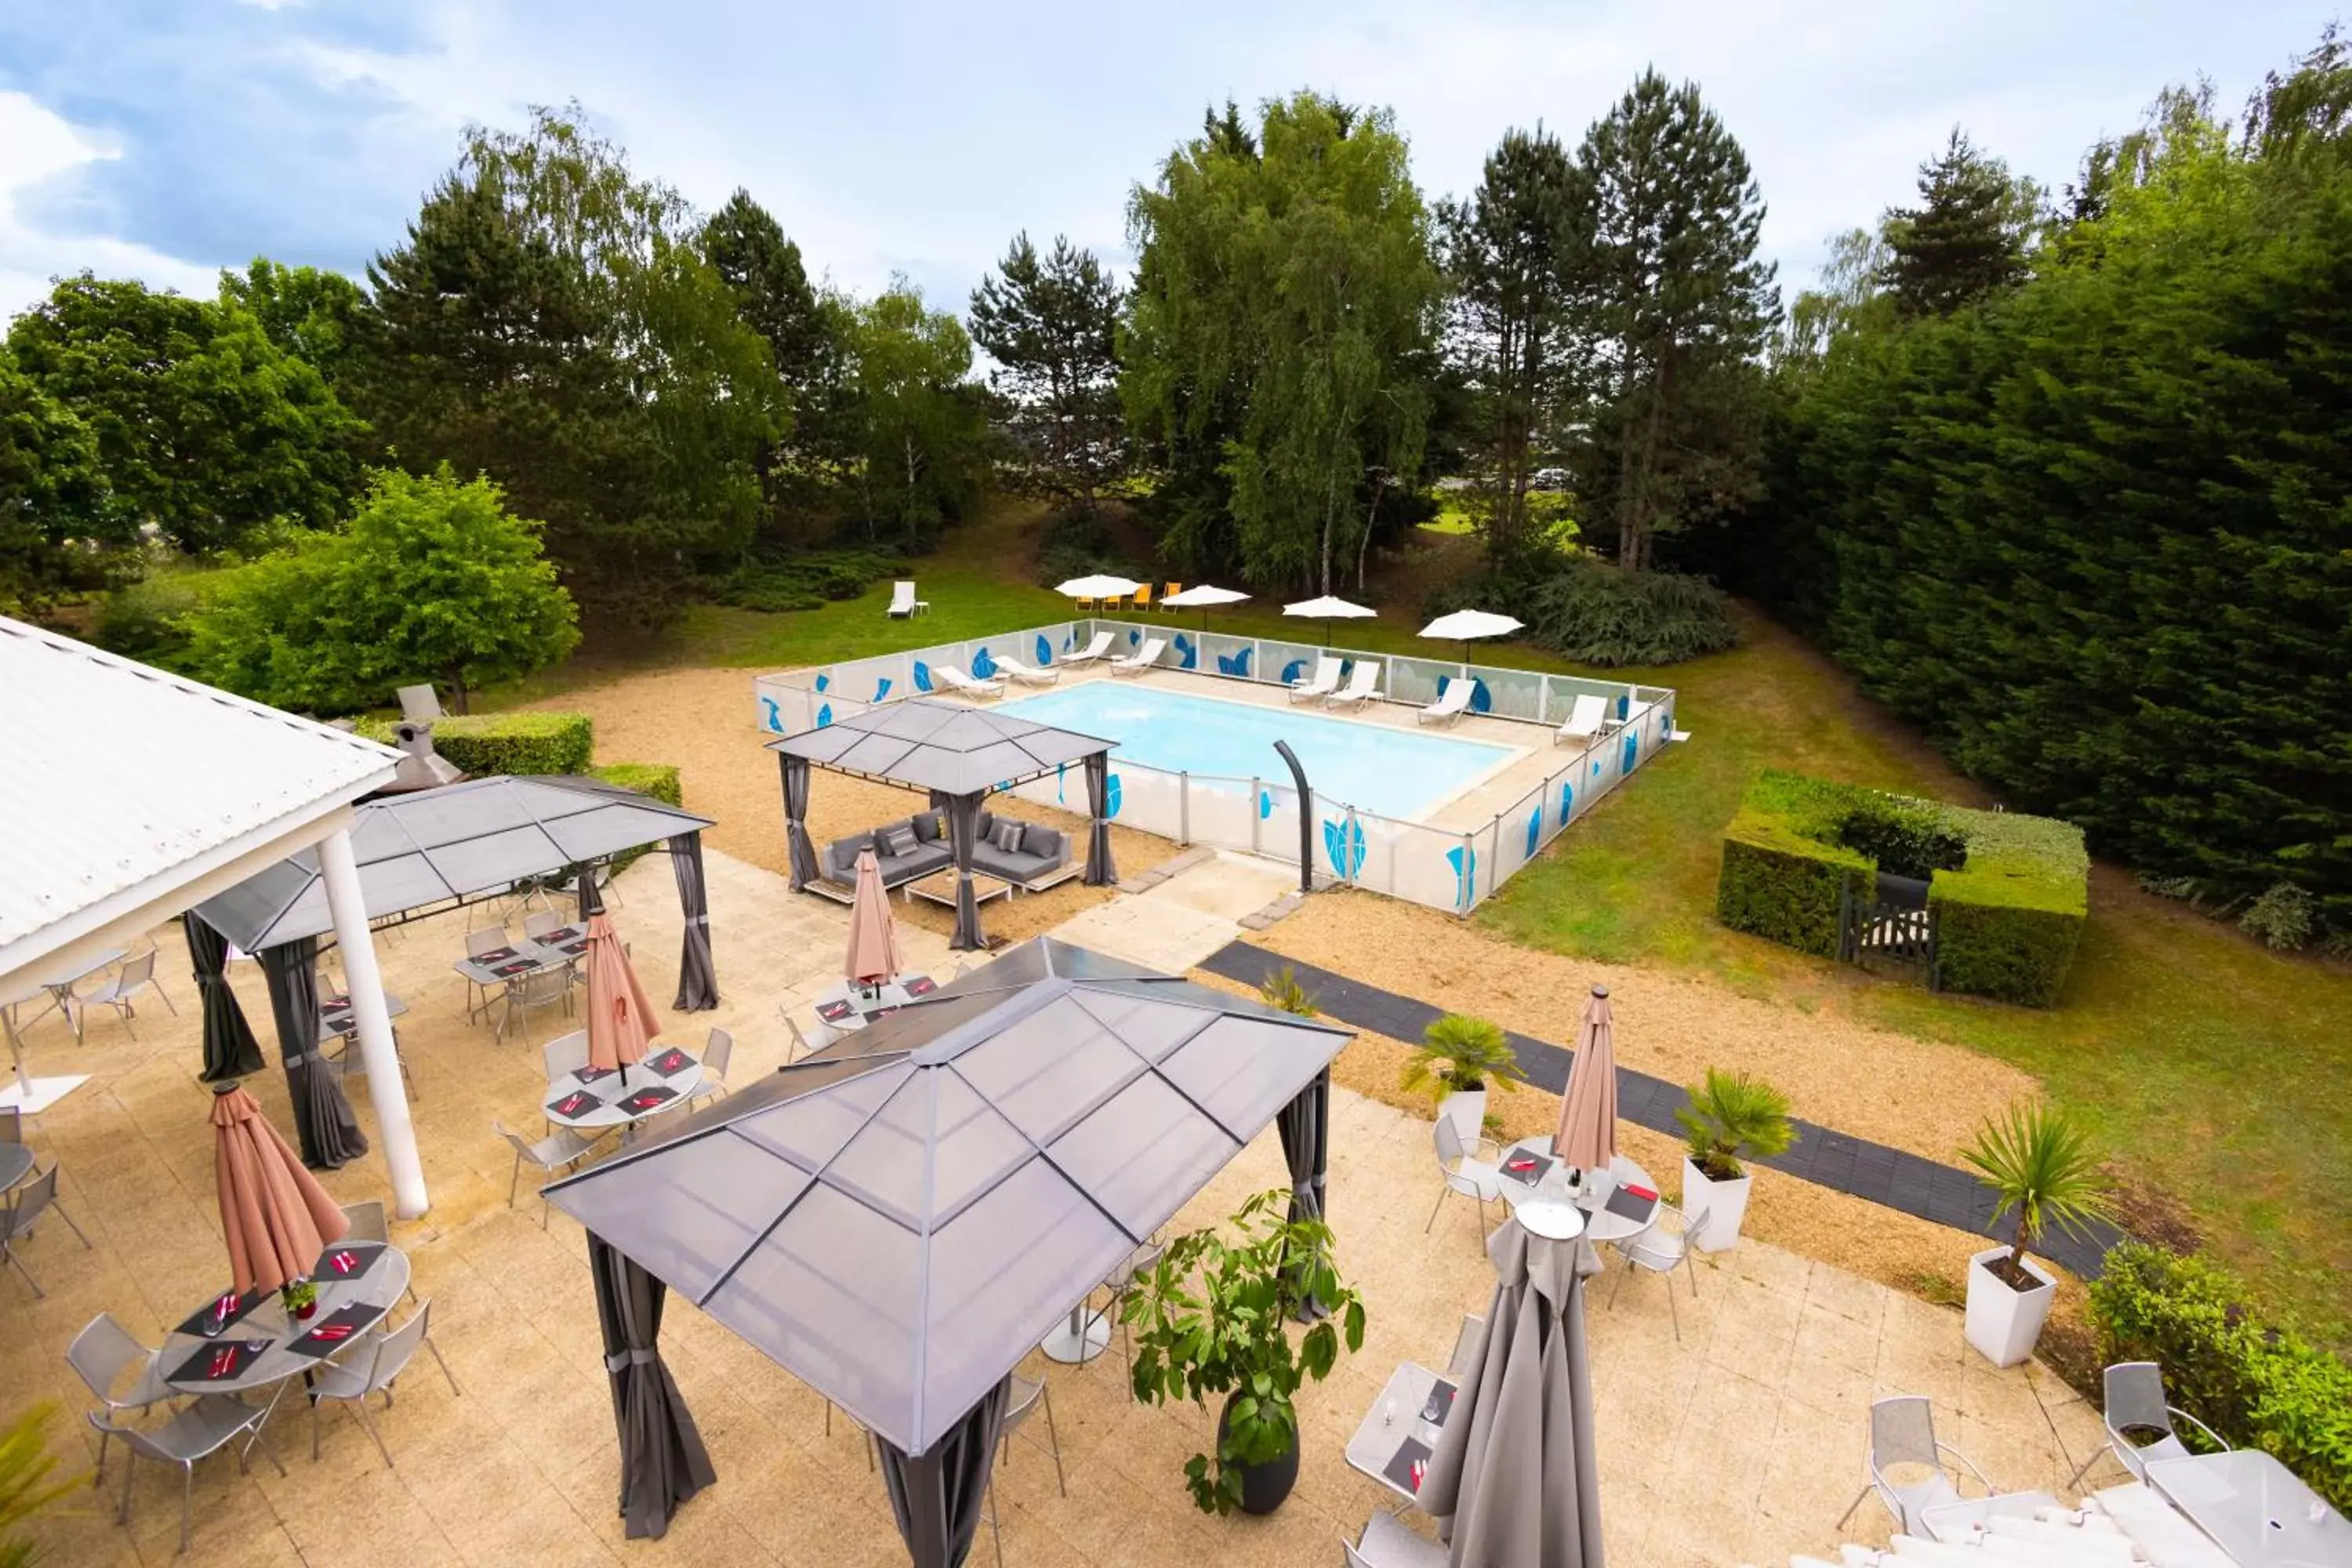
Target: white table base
[
  {"x": 1086, "y": 1336},
  {"x": 45, "y": 1092}
]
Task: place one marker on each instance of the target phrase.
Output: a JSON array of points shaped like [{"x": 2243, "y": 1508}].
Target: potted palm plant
[
  {"x": 1461, "y": 1055},
  {"x": 1731, "y": 1117},
  {"x": 1281, "y": 990},
  {"x": 1213, "y": 1316},
  {"x": 2042, "y": 1166}
]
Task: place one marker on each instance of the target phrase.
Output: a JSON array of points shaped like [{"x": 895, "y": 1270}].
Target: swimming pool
[{"x": 1389, "y": 772}]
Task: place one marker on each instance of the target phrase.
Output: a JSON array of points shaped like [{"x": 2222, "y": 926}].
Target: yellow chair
[
  {"x": 1168, "y": 592},
  {"x": 1142, "y": 600}
]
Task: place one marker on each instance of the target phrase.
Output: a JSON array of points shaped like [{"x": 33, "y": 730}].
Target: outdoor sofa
[{"x": 1042, "y": 859}]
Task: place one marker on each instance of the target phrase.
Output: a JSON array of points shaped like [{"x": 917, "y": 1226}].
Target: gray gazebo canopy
[
  {"x": 448, "y": 845},
  {"x": 899, "y": 1219},
  {"x": 960, "y": 754}
]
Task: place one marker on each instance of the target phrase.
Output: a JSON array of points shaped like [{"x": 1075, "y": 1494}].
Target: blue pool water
[{"x": 1389, "y": 772}]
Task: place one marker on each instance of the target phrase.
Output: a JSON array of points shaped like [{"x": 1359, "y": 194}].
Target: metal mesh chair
[
  {"x": 1471, "y": 1178},
  {"x": 1389, "y": 1543},
  {"x": 565, "y": 1055},
  {"x": 202, "y": 1429},
  {"x": 717, "y": 1052},
  {"x": 1465, "y": 1344},
  {"x": 11, "y": 1125},
  {"x": 2135, "y": 1403},
  {"x": 1661, "y": 1251},
  {"x": 1903, "y": 1434},
  {"x": 538, "y": 988},
  {"x": 551, "y": 1153},
  {"x": 486, "y": 939},
  {"x": 16, "y": 1221},
  {"x": 1027, "y": 1396},
  {"x": 136, "y": 974},
  {"x": 369, "y": 1223},
  {"x": 351, "y": 1381},
  {"x": 100, "y": 1355},
  {"x": 538, "y": 922}
]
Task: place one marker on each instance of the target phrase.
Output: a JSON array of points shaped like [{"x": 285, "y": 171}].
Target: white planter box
[
  {"x": 1723, "y": 1204},
  {"x": 2003, "y": 1325},
  {"x": 1466, "y": 1109}
]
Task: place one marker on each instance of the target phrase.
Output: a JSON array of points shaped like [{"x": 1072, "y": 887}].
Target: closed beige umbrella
[
  {"x": 874, "y": 956},
  {"x": 621, "y": 1022},
  {"x": 1587, "y": 1138},
  {"x": 276, "y": 1216}
]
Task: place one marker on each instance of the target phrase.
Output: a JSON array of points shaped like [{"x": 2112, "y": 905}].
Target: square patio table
[
  {"x": 2256, "y": 1508},
  {"x": 336, "y": 1021},
  {"x": 1394, "y": 1421}
]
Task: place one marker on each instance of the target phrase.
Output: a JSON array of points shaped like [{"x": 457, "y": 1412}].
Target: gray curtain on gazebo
[
  {"x": 328, "y": 1133},
  {"x": 1101, "y": 871},
  {"x": 1516, "y": 1466},
  {"x": 937, "y": 1496},
  {"x": 663, "y": 1461},
  {"x": 963, "y": 826},
  {"x": 698, "y": 979},
  {"x": 799, "y": 852},
  {"x": 1305, "y": 1127},
  {"x": 584, "y": 893},
  {"x": 230, "y": 1050}
]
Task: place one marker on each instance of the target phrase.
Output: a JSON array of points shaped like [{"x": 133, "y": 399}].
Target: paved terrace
[{"x": 1740, "y": 1444}]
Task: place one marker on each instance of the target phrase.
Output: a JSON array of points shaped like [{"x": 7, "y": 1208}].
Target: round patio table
[
  {"x": 15, "y": 1164},
  {"x": 186, "y": 1356},
  {"x": 625, "y": 1098},
  {"x": 1602, "y": 1222}
]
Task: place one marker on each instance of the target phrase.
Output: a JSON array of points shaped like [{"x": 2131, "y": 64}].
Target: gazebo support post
[{"x": 340, "y": 870}]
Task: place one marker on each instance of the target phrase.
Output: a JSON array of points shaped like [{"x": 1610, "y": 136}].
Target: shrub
[
  {"x": 1281, "y": 990},
  {"x": 147, "y": 619},
  {"x": 1075, "y": 544},
  {"x": 2283, "y": 917},
  {"x": 2257, "y": 1386},
  {"x": 1598, "y": 614},
  {"x": 1783, "y": 869},
  {"x": 807, "y": 582},
  {"x": 484, "y": 743},
  {"x": 1458, "y": 1054},
  {"x": 658, "y": 780}
]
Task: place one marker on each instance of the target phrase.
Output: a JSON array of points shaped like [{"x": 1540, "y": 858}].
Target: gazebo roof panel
[
  {"x": 1140, "y": 1149},
  {"x": 1056, "y": 1066},
  {"x": 925, "y": 1154},
  {"x": 811, "y": 1129},
  {"x": 923, "y": 743},
  {"x": 1242, "y": 1070},
  {"x": 1150, "y": 1026},
  {"x": 732, "y": 1192}
]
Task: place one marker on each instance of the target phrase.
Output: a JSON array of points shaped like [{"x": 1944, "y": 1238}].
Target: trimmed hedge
[
  {"x": 658, "y": 780},
  {"x": 2257, "y": 1386},
  {"x": 2008, "y": 920},
  {"x": 486, "y": 743}
]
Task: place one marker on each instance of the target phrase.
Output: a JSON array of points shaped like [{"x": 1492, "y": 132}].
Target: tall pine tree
[
  {"x": 1050, "y": 323},
  {"x": 1965, "y": 239}
]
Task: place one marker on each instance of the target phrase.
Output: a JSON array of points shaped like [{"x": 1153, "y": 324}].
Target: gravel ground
[{"x": 701, "y": 721}]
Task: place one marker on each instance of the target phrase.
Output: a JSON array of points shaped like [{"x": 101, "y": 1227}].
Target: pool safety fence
[{"x": 1444, "y": 868}]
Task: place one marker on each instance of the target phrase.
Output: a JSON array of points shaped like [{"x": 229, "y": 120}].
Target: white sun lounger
[
  {"x": 1321, "y": 684},
  {"x": 903, "y": 601},
  {"x": 1144, "y": 657},
  {"x": 1091, "y": 652},
  {"x": 1363, "y": 684},
  {"x": 1451, "y": 704},
  {"x": 956, "y": 680},
  {"x": 1588, "y": 720},
  {"x": 1029, "y": 673}
]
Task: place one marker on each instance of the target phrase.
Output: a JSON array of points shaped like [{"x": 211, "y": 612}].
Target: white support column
[{"x": 341, "y": 873}]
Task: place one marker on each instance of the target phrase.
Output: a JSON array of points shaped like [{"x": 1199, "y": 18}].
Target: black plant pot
[{"x": 1262, "y": 1485}]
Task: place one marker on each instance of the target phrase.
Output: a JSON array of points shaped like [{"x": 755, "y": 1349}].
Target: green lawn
[{"x": 2214, "y": 1068}]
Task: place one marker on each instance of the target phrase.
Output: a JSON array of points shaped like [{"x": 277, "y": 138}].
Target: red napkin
[{"x": 1644, "y": 1193}]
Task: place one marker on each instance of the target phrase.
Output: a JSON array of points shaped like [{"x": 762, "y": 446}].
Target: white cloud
[{"x": 43, "y": 146}]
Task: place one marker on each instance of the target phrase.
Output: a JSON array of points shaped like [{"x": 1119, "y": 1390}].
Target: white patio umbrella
[
  {"x": 1204, "y": 597},
  {"x": 1327, "y": 609},
  {"x": 1098, "y": 587},
  {"x": 1465, "y": 625}
]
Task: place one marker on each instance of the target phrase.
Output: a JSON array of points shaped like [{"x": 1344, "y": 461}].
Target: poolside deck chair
[
  {"x": 1169, "y": 590},
  {"x": 1588, "y": 720},
  {"x": 957, "y": 681},
  {"x": 903, "y": 601},
  {"x": 1363, "y": 684},
  {"x": 1144, "y": 657},
  {"x": 1453, "y": 701},
  {"x": 1142, "y": 597},
  {"x": 1091, "y": 652},
  {"x": 1322, "y": 683},
  {"x": 1027, "y": 673}
]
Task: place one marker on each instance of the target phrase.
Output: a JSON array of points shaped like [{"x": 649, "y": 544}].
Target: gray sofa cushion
[{"x": 840, "y": 862}]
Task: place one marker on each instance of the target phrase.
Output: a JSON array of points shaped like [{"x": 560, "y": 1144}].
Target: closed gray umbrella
[
  {"x": 802, "y": 854},
  {"x": 663, "y": 1461},
  {"x": 328, "y": 1133},
  {"x": 698, "y": 977},
  {"x": 1516, "y": 1468},
  {"x": 230, "y": 1049},
  {"x": 1100, "y": 870}
]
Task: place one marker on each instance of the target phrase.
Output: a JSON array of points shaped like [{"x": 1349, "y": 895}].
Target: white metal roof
[{"x": 123, "y": 784}]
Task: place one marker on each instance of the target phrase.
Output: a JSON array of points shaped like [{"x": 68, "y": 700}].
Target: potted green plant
[
  {"x": 1461, "y": 1055},
  {"x": 2042, "y": 1166},
  {"x": 1213, "y": 1317},
  {"x": 1730, "y": 1117},
  {"x": 1281, "y": 991},
  {"x": 301, "y": 1298}
]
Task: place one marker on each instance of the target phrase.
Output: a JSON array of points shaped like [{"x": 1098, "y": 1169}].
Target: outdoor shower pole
[{"x": 1306, "y": 817}]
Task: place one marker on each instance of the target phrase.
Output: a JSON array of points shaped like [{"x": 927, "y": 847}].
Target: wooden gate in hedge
[{"x": 1890, "y": 925}]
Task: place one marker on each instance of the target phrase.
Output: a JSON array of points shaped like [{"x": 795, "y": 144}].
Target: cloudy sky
[{"x": 162, "y": 139}]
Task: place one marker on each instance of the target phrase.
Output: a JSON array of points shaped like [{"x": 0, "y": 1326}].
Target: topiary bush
[
  {"x": 807, "y": 582},
  {"x": 2257, "y": 1386},
  {"x": 487, "y": 743}
]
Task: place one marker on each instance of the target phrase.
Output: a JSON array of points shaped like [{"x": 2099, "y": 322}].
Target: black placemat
[
  {"x": 1408, "y": 1465},
  {"x": 220, "y": 1314},
  {"x": 1527, "y": 1169},
  {"x": 514, "y": 967},
  {"x": 649, "y": 1096},
  {"x": 496, "y": 955},
  {"x": 590, "y": 1073},
  {"x": 836, "y": 1011},
  {"x": 579, "y": 1102},
  {"x": 669, "y": 1063},
  {"x": 1631, "y": 1203},
  {"x": 347, "y": 1261},
  {"x": 1439, "y": 1404},
  {"x": 573, "y": 949},
  {"x": 339, "y": 1330},
  {"x": 220, "y": 1362},
  {"x": 921, "y": 985}
]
